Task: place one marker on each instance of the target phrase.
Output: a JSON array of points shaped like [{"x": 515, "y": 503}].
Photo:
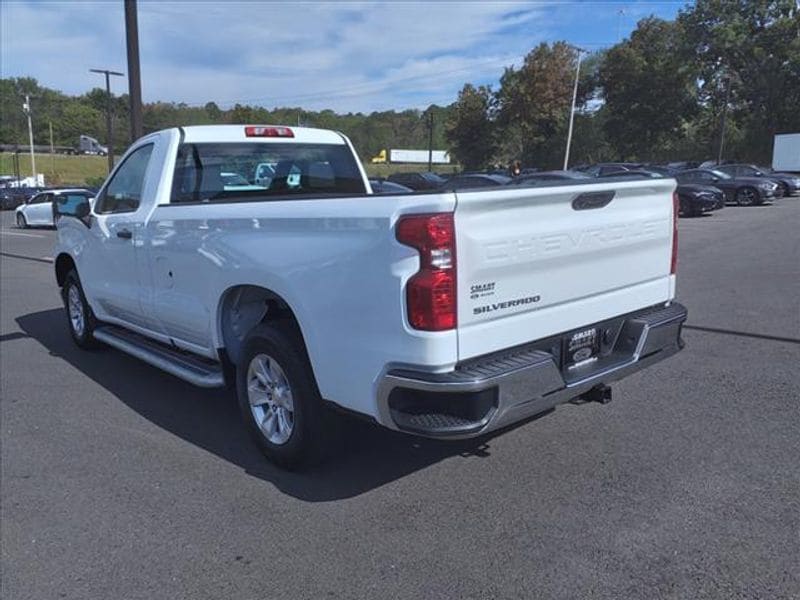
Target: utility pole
[
  {"x": 16, "y": 165},
  {"x": 26, "y": 108},
  {"x": 109, "y": 131},
  {"x": 722, "y": 120},
  {"x": 52, "y": 152},
  {"x": 430, "y": 141},
  {"x": 134, "y": 73},
  {"x": 572, "y": 106}
]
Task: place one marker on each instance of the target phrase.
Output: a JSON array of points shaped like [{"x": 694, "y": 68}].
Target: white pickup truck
[{"x": 442, "y": 314}]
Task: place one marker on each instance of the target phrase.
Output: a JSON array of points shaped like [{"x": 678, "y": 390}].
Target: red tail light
[
  {"x": 431, "y": 292},
  {"x": 261, "y": 131},
  {"x": 676, "y": 204}
]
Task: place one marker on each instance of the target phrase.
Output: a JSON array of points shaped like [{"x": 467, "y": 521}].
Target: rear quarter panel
[{"x": 336, "y": 263}]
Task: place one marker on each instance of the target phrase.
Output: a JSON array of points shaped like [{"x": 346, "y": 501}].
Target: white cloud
[{"x": 346, "y": 56}]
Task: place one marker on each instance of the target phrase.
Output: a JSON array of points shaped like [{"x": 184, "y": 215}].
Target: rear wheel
[
  {"x": 747, "y": 196},
  {"x": 21, "y": 222},
  {"x": 80, "y": 319},
  {"x": 278, "y": 397}
]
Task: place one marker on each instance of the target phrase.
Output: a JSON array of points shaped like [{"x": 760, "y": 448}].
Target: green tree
[
  {"x": 648, "y": 84},
  {"x": 213, "y": 111},
  {"x": 534, "y": 103},
  {"x": 753, "y": 47},
  {"x": 470, "y": 129},
  {"x": 78, "y": 119}
]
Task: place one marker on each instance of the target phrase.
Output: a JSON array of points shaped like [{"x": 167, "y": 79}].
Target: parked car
[
  {"x": 549, "y": 177},
  {"x": 744, "y": 191},
  {"x": 695, "y": 200},
  {"x": 609, "y": 168},
  {"x": 417, "y": 181},
  {"x": 632, "y": 174},
  {"x": 443, "y": 315},
  {"x": 40, "y": 210},
  {"x": 683, "y": 165},
  {"x": 381, "y": 186},
  {"x": 11, "y": 198},
  {"x": 788, "y": 181},
  {"x": 468, "y": 181},
  {"x": 664, "y": 170}
]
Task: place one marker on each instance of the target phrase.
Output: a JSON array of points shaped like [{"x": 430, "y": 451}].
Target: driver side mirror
[
  {"x": 759, "y": 174},
  {"x": 74, "y": 206},
  {"x": 715, "y": 179}
]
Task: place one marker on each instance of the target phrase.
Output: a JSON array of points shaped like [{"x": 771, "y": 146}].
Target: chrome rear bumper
[{"x": 497, "y": 390}]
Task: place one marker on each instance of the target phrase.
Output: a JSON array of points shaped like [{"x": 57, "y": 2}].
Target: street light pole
[
  {"x": 430, "y": 141},
  {"x": 572, "y": 107},
  {"x": 26, "y": 108},
  {"x": 620, "y": 14},
  {"x": 109, "y": 131}
]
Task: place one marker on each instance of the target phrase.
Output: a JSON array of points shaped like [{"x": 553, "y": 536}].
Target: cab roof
[{"x": 198, "y": 134}]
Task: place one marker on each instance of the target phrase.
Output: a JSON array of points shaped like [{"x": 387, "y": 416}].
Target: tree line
[
  {"x": 71, "y": 116},
  {"x": 658, "y": 95}
]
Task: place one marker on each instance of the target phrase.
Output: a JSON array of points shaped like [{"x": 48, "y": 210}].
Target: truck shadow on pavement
[{"x": 365, "y": 457}]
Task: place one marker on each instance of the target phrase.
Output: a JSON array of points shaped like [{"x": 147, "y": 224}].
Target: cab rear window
[{"x": 235, "y": 171}]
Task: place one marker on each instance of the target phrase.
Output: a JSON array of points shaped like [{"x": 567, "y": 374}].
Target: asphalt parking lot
[{"x": 119, "y": 481}]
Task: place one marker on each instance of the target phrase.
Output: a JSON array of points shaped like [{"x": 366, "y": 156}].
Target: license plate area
[{"x": 580, "y": 347}]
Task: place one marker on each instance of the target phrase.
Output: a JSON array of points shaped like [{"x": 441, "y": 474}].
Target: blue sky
[{"x": 347, "y": 56}]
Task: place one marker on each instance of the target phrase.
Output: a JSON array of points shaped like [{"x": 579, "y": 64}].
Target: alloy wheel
[
  {"x": 75, "y": 307},
  {"x": 746, "y": 197},
  {"x": 271, "y": 400}
]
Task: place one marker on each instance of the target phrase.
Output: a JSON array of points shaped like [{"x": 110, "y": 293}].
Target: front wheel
[
  {"x": 278, "y": 397},
  {"x": 80, "y": 318},
  {"x": 747, "y": 197},
  {"x": 21, "y": 222}
]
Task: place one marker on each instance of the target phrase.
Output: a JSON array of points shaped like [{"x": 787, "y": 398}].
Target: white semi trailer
[
  {"x": 438, "y": 157},
  {"x": 786, "y": 153}
]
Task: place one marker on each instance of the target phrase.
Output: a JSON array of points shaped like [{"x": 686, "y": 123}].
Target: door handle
[{"x": 125, "y": 234}]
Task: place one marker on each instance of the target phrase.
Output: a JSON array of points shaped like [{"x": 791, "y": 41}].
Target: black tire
[
  {"x": 83, "y": 336},
  {"x": 687, "y": 210},
  {"x": 311, "y": 420},
  {"x": 747, "y": 196},
  {"x": 21, "y": 222}
]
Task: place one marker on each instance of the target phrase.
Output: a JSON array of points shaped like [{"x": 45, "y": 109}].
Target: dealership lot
[{"x": 119, "y": 481}]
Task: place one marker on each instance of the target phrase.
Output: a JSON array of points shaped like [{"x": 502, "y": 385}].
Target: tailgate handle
[{"x": 591, "y": 200}]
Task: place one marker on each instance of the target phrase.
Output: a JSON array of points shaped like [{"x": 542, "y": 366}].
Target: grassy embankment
[{"x": 59, "y": 169}]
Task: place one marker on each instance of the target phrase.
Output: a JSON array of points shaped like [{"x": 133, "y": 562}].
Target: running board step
[{"x": 195, "y": 370}]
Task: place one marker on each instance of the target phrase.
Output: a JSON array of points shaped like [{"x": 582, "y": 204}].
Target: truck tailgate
[{"x": 534, "y": 262}]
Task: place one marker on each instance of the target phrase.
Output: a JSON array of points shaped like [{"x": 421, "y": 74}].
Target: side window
[{"x": 124, "y": 192}]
